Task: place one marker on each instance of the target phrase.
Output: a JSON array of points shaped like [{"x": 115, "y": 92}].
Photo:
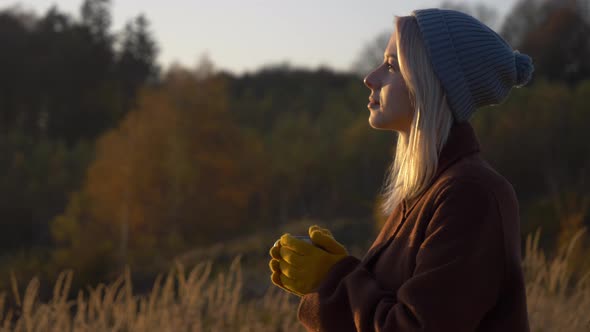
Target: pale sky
[{"x": 243, "y": 35}]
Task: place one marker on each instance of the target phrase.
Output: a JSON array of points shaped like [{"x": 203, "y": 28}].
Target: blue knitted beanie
[{"x": 475, "y": 65}]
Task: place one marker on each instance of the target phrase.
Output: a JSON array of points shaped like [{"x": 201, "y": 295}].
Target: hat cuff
[{"x": 439, "y": 43}]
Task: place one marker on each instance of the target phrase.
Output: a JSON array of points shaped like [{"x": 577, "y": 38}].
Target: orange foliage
[{"x": 177, "y": 169}]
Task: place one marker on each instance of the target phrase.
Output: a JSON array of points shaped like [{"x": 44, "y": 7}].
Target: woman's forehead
[{"x": 391, "y": 49}]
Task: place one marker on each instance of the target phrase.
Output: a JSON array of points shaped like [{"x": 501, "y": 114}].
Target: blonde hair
[{"x": 416, "y": 154}]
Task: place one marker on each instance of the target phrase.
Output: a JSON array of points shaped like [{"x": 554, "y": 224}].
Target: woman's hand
[{"x": 299, "y": 267}]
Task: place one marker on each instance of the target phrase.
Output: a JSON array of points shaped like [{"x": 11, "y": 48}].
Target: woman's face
[{"x": 389, "y": 102}]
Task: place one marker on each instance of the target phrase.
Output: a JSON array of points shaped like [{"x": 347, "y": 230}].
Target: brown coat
[{"x": 449, "y": 260}]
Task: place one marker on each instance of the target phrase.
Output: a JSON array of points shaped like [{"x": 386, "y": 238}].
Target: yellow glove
[{"x": 299, "y": 267}]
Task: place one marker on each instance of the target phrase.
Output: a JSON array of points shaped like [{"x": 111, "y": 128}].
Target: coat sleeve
[{"x": 456, "y": 281}]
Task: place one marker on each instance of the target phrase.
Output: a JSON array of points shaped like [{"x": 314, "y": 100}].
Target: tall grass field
[{"x": 200, "y": 299}]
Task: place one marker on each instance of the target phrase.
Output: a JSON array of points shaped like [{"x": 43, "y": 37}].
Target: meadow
[{"x": 229, "y": 291}]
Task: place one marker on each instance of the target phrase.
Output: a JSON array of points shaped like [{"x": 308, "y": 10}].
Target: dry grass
[
  {"x": 556, "y": 302},
  {"x": 202, "y": 302},
  {"x": 193, "y": 302}
]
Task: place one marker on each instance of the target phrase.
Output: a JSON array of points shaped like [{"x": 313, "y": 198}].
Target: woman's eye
[{"x": 390, "y": 67}]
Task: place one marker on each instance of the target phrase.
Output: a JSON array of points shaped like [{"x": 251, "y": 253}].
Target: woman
[{"x": 448, "y": 256}]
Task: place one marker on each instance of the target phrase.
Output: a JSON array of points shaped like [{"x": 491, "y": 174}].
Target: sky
[{"x": 243, "y": 35}]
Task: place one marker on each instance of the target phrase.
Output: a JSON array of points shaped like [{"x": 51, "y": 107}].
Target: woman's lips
[{"x": 373, "y": 103}]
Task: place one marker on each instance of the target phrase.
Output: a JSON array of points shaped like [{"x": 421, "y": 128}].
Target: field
[{"x": 238, "y": 296}]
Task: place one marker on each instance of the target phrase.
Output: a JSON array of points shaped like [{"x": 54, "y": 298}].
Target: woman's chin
[{"x": 374, "y": 123}]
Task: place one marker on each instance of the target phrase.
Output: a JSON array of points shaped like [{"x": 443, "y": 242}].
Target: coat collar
[{"x": 461, "y": 142}]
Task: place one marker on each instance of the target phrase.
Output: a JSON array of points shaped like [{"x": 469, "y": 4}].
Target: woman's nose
[{"x": 370, "y": 81}]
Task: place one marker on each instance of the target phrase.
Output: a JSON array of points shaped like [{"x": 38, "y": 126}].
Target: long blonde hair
[{"x": 416, "y": 157}]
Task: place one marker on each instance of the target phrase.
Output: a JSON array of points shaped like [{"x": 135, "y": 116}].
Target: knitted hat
[{"x": 475, "y": 65}]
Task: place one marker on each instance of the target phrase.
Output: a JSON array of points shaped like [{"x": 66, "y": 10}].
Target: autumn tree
[{"x": 176, "y": 173}]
